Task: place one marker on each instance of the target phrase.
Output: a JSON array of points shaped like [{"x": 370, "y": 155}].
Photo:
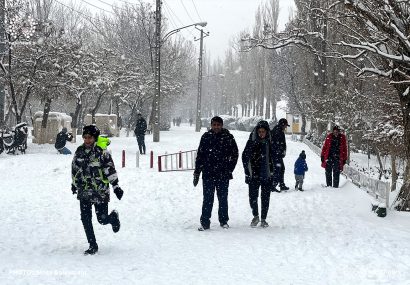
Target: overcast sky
[{"x": 226, "y": 18}]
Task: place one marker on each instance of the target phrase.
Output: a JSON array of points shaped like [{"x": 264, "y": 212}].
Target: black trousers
[
  {"x": 209, "y": 187},
  {"x": 265, "y": 186},
  {"x": 279, "y": 172},
  {"x": 332, "y": 166},
  {"x": 141, "y": 143},
  {"x": 101, "y": 210}
]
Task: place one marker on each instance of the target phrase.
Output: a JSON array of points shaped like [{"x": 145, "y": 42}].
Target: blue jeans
[
  {"x": 209, "y": 187},
  {"x": 64, "y": 150}
]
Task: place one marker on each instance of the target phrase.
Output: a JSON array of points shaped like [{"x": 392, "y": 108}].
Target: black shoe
[
  {"x": 202, "y": 228},
  {"x": 275, "y": 190},
  {"x": 284, "y": 187},
  {"x": 300, "y": 189},
  {"x": 92, "y": 250},
  {"x": 296, "y": 186},
  {"x": 225, "y": 226},
  {"x": 116, "y": 223}
]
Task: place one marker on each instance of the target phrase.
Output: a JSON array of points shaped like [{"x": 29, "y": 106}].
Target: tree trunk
[
  {"x": 394, "y": 175},
  {"x": 97, "y": 106},
  {"x": 303, "y": 128},
  {"x": 43, "y": 130},
  {"x": 133, "y": 108},
  {"x": 380, "y": 163},
  {"x": 403, "y": 199}
]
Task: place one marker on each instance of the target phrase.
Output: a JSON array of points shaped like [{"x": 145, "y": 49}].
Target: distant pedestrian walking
[
  {"x": 140, "y": 129},
  {"x": 61, "y": 139},
  {"x": 334, "y": 156},
  {"x": 257, "y": 159},
  {"x": 300, "y": 169},
  {"x": 279, "y": 153},
  {"x": 216, "y": 159}
]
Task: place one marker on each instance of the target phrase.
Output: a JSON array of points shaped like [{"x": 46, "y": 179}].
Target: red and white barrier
[{"x": 180, "y": 161}]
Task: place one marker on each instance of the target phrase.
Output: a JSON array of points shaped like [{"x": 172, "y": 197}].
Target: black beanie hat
[
  {"x": 283, "y": 122},
  {"x": 91, "y": 130},
  {"x": 302, "y": 154},
  {"x": 217, "y": 119}
]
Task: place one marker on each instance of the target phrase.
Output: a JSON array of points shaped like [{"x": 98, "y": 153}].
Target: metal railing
[{"x": 180, "y": 161}]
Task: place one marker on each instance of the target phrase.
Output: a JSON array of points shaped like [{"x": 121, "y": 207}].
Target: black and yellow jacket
[{"x": 92, "y": 171}]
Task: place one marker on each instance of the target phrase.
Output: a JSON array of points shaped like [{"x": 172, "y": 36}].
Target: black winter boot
[
  {"x": 283, "y": 187},
  {"x": 116, "y": 221},
  {"x": 93, "y": 249}
]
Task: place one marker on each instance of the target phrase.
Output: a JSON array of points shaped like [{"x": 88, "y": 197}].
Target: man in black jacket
[
  {"x": 140, "y": 129},
  {"x": 61, "y": 139},
  {"x": 216, "y": 159},
  {"x": 279, "y": 153}
]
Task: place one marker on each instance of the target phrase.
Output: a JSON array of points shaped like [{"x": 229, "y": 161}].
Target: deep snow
[{"x": 320, "y": 236}]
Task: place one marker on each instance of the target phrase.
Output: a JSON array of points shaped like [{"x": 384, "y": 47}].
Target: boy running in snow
[
  {"x": 92, "y": 172},
  {"x": 300, "y": 169}
]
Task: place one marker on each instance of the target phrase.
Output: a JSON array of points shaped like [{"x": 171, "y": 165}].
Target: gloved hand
[
  {"x": 322, "y": 158},
  {"x": 344, "y": 162},
  {"x": 73, "y": 189},
  {"x": 196, "y": 179},
  {"x": 247, "y": 179},
  {"x": 118, "y": 192}
]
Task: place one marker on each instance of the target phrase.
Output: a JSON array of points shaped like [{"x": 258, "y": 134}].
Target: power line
[
  {"x": 87, "y": 17},
  {"x": 97, "y": 7},
  {"x": 183, "y": 5},
  {"x": 170, "y": 17},
  {"x": 196, "y": 10},
  {"x": 176, "y": 17}
]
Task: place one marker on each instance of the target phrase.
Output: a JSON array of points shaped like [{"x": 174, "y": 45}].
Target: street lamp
[{"x": 157, "y": 98}]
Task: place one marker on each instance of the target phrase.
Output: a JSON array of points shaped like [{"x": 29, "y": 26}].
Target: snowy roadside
[{"x": 320, "y": 236}]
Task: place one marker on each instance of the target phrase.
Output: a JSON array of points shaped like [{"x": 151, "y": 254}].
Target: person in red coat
[{"x": 334, "y": 156}]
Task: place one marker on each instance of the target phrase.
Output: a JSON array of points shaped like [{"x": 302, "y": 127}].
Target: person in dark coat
[
  {"x": 140, "y": 129},
  {"x": 61, "y": 139},
  {"x": 92, "y": 172},
  {"x": 300, "y": 169},
  {"x": 334, "y": 156},
  {"x": 257, "y": 162},
  {"x": 279, "y": 153},
  {"x": 216, "y": 159}
]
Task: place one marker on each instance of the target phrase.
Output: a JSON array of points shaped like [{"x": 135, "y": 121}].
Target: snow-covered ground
[{"x": 320, "y": 236}]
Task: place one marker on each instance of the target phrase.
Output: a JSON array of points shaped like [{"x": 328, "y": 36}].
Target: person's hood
[{"x": 261, "y": 124}]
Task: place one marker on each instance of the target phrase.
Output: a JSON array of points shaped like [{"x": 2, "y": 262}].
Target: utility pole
[
  {"x": 157, "y": 97},
  {"x": 198, "y": 100},
  {"x": 2, "y": 51}
]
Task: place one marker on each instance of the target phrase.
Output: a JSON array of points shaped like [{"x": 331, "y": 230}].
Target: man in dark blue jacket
[
  {"x": 61, "y": 139},
  {"x": 279, "y": 153},
  {"x": 216, "y": 158}
]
